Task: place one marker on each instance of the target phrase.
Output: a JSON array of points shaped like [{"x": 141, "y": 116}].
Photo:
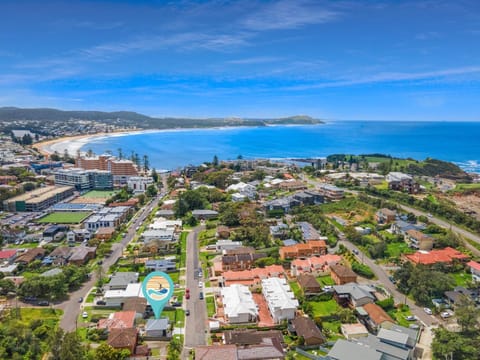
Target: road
[
  {"x": 383, "y": 278},
  {"x": 72, "y": 308},
  {"x": 195, "y": 324}
]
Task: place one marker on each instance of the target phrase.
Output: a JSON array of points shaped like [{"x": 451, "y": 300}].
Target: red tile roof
[
  {"x": 7, "y": 254},
  {"x": 446, "y": 255},
  {"x": 216, "y": 352},
  {"x": 474, "y": 265},
  {"x": 377, "y": 314}
]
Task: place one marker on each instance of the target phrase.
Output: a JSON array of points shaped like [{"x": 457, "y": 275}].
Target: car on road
[
  {"x": 187, "y": 312},
  {"x": 84, "y": 315},
  {"x": 200, "y": 284},
  {"x": 411, "y": 318},
  {"x": 80, "y": 300},
  {"x": 43, "y": 303},
  {"x": 428, "y": 311},
  {"x": 355, "y": 251},
  {"x": 187, "y": 296},
  {"x": 200, "y": 296}
]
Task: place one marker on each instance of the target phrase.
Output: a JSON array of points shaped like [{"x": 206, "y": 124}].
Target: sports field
[
  {"x": 65, "y": 217},
  {"x": 99, "y": 194}
]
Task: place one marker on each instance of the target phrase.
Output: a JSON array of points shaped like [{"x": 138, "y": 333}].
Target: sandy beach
[{"x": 74, "y": 143}]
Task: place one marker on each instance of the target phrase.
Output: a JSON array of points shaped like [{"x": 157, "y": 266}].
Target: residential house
[
  {"x": 353, "y": 294},
  {"x": 342, "y": 274},
  {"x": 165, "y": 213},
  {"x": 120, "y": 280},
  {"x": 245, "y": 337},
  {"x": 158, "y": 329},
  {"x": 105, "y": 233},
  {"x": 308, "y": 330},
  {"x": 445, "y": 256},
  {"x": 292, "y": 185},
  {"x": 30, "y": 255},
  {"x": 242, "y": 258},
  {"x": 475, "y": 270},
  {"x": 54, "y": 232},
  {"x": 331, "y": 193},
  {"x": 221, "y": 245},
  {"x": 349, "y": 350},
  {"x": 400, "y": 227},
  {"x": 353, "y": 331},
  {"x": 246, "y": 190},
  {"x": 136, "y": 304},
  {"x": 163, "y": 239},
  {"x": 118, "y": 320},
  {"x": 308, "y": 231},
  {"x": 418, "y": 240},
  {"x": 78, "y": 235},
  {"x": 204, "y": 214},
  {"x": 123, "y": 339},
  {"x": 82, "y": 254},
  {"x": 376, "y": 316},
  {"x": 59, "y": 256},
  {"x": 165, "y": 265},
  {"x": 402, "y": 182},
  {"x": 385, "y": 216},
  {"x": 238, "y": 304},
  {"x": 8, "y": 256},
  {"x": 280, "y": 299},
  {"x": 250, "y": 277},
  {"x": 311, "y": 248},
  {"x": 459, "y": 293},
  {"x": 309, "y": 285},
  {"x": 116, "y": 298},
  {"x": 309, "y": 197},
  {"x": 284, "y": 204},
  {"x": 216, "y": 352},
  {"x": 12, "y": 235},
  {"x": 279, "y": 231},
  {"x": 316, "y": 265}
]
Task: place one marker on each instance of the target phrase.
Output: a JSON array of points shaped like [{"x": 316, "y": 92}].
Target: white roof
[
  {"x": 278, "y": 293},
  {"x": 132, "y": 290},
  {"x": 237, "y": 299}
]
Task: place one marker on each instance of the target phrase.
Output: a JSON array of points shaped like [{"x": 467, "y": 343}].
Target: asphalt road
[
  {"x": 72, "y": 308},
  {"x": 196, "y": 323}
]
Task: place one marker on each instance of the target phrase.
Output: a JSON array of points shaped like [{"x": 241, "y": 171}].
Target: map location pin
[{"x": 157, "y": 288}]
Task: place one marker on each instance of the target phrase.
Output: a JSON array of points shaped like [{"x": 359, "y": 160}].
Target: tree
[
  {"x": 215, "y": 161},
  {"x": 146, "y": 163},
  {"x": 467, "y": 315},
  {"x": 72, "y": 348},
  {"x": 452, "y": 345},
  {"x": 106, "y": 352},
  {"x": 154, "y": 175},
  {"x": 151, "y": 190}
]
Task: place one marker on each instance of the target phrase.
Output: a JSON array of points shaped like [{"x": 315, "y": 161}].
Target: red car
[{"x": 187, "y": 296}]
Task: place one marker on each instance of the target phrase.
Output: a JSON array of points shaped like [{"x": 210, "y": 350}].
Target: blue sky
[{"x": 379, "y": 60}]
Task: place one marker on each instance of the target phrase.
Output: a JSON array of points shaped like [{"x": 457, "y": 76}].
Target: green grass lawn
[
  {"x": 324, "y": 308},
  {"x": 334, "y": 327},
  {"x": 475, "y": 186},
  {"x": 325, "y": 280},
  {"x": 395, "y": 249},
  {"x": 295, "y": 288},
  {"x": 49, "y": 315},
  {"x": 382, "y": 186},
  {"x": 400, "y": 316},
  {"x": 65, "y": 217},
  {"x": 183, "y": 245},
  {"x": 210, "y": 300},
  {"x": 99, "y": 194},
  {"x": 461, "y": 278}
]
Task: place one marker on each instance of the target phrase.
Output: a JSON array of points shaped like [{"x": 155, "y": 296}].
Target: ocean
[{"x": 458, "y": 142}]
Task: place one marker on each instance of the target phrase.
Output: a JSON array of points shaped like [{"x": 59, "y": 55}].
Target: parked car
[
  {"x": 445, "y": 314},
  {"x": 101, "y": 302},
  {"x": 411, "y": 317},
  {"x": 176, "y": 304},
  {"x": 84, "y": 315},
  {"x": 187, "y": 312},
  {"x": 328, "y": 288},
  {"x": 200, "y": 284},
  {"x": 187, "y": 296},
  {"x": 428, "y": 311},
  {"x": 80, "y": 300},
  {"x": 43, "y": 303},
  {"x": 200, "y": 296}
]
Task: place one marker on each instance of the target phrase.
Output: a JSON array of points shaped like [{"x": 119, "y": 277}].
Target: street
[
  {"x": 195, "y": 324},
  {"x": 71, "y": 307}
]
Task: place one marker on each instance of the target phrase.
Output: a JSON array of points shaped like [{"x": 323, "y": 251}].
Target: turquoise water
[{"x": 452, "y": 141}]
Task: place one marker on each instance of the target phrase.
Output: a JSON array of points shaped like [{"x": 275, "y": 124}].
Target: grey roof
[
  {"x": 123, "y": 279},
  {"x": 289, "y": 242},
  {"x": 52, "y": 272},
  {"x": 355, "y": 290},
  {"x": 393, "y": 336},
  {"x": 412, "y": 333},
  {"x": 204, "y": 212},
  {"x": 381, "y": 347},
  {"x": 157, "y": 324},
  {"x": 346, "y": 350}
]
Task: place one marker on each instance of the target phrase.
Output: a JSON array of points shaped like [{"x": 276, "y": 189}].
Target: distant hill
[{"x": 128, "y": 118}]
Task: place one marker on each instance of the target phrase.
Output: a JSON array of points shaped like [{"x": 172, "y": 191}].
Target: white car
[
  {"x": 428, "y": 311},
  {"x": 84, "y": 315},
  {"x": 445, "y": 314},
  {"x": 200, "y": 284}
]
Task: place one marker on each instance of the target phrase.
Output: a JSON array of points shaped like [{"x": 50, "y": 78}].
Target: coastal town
[{"x": 336, "y": 258}]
